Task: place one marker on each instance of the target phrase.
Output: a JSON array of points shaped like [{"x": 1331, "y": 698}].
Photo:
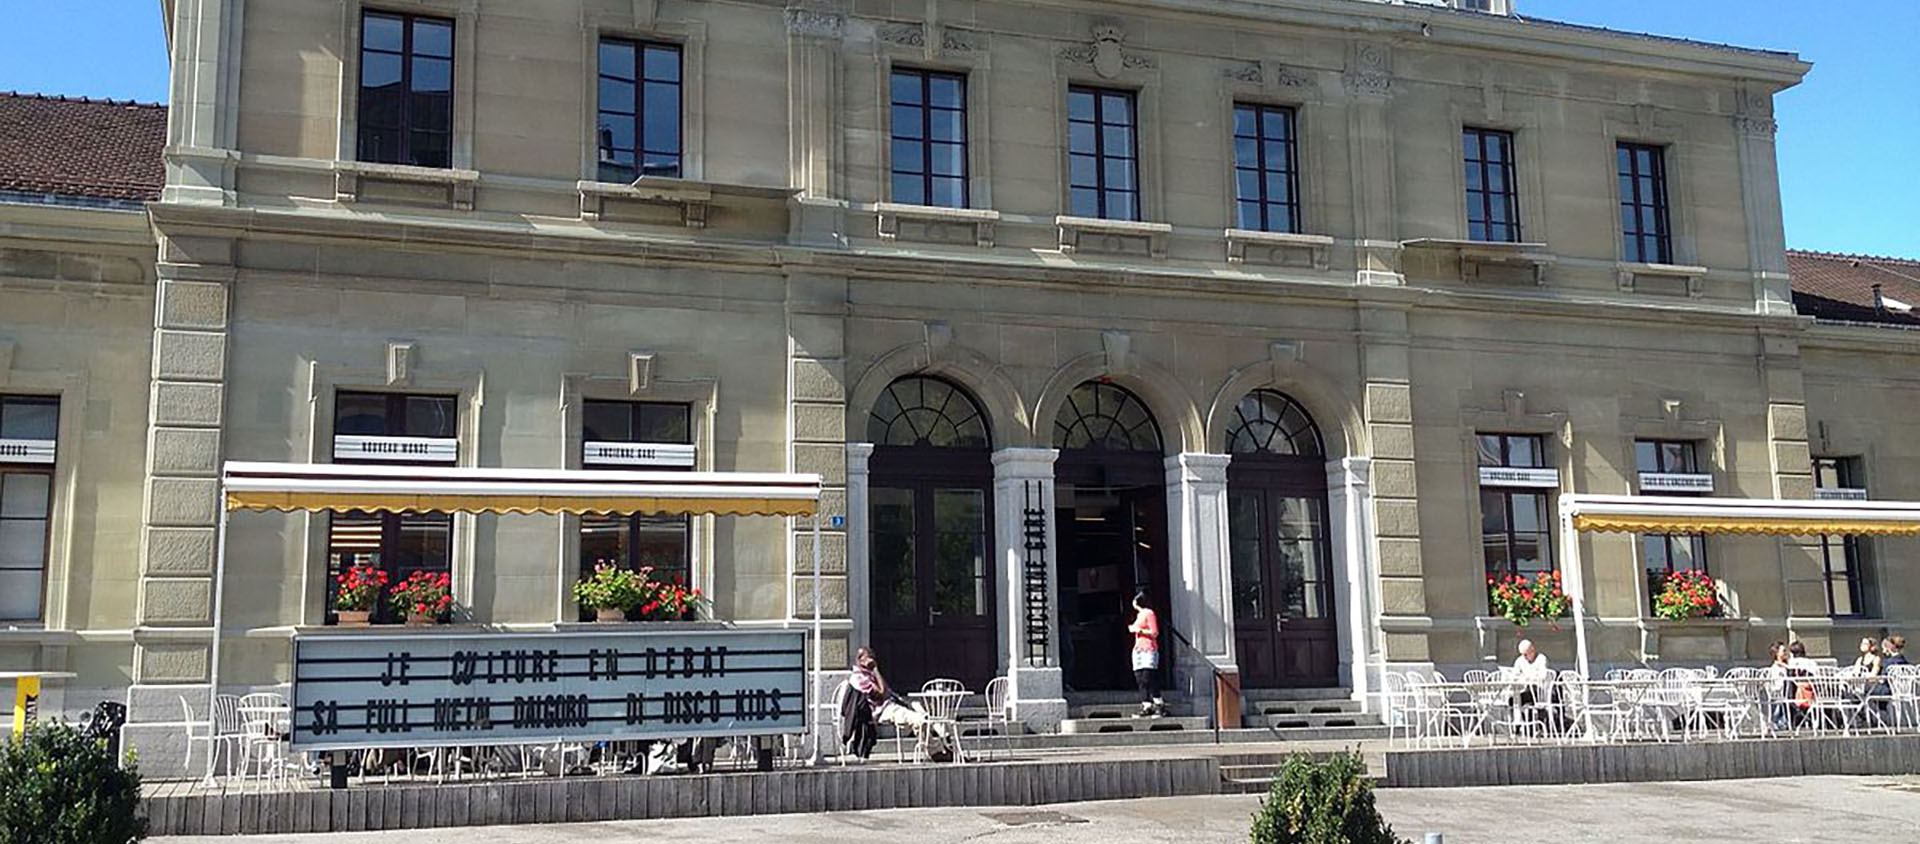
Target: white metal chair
[
  {"x": 1903, "y": 696},
  {"x": 1398, "y": 709},
  {"x": 197, "y": 731},
  {"x": 262, "y": 727},
  {"x": 999, "y": 712},
  {"x": 941, "y": 699},
  {"x": 1836, "y": 700}
]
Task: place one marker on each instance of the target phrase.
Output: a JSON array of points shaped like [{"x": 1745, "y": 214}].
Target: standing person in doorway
[{"x": 1145, "y": 630}]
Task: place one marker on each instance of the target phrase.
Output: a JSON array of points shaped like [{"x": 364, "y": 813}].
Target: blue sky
[{"x": 1849, "y": 136}]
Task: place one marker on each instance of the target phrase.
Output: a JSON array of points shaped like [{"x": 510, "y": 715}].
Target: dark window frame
[
  {"x": 1262, "y": 168},
  {"x": 1507, "y": 501},
  {"x": 1662, "y": 564},
  {"x": 643, "y": 147},
  {"x": 41, "y": 469},
  {"x": 637, "y": 523},
  {"x": 1102, "y": 192},
  {"x": 1646, "y": 201},
  {"x": 924, "y": 179},
  {"x": 408, "y": 124},
  {"x": 1843, "y": 558},
  {"x": 1477, "y": 147},
  {"x": 391, "y": 524}
]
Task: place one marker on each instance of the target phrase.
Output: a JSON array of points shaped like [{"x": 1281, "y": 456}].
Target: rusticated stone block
[
  {"x": 1400, "y": 557},
  {"x": 1397, "y": 517},
  {"x": 1389, "y": 403},
  {"x": 176, "y": 600},
  {"x": 190, "y": 355},
  {"x": 186, "y": 451},
  {"x": 819, "y": 380},
  {"x": 833, "y": 597},
  {"x": 1391, "y": 442},
  {"x": 833, "y": 552},
  {"x": 183, "y": 502},
  {"x": 1403, "y": 596},
  {"x": 1407, "y": 647},
  {"x": 193, "y": 305},
  {"x": 180, "y": 551},
  {"x": 172, "y": 662},
  {"x": 176, "y": 403},
  {"x": 1395, "y": 479},
  {"x": 827, "y": 461},
  {"x": 820, "y": 423}
]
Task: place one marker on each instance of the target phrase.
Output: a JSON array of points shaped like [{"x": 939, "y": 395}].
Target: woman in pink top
[{"x": 1146, "y": 656}]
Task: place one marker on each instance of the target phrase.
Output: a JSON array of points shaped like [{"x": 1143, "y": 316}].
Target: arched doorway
[
  {"x": 930, "y": 498},
  {"x": 1283, "y": 606},
  {"x": 1111, "y": 523}
]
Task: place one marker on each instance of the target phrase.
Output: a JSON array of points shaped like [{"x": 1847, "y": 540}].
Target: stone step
[
  {"x": 1303, "y": 707},
  {"x": 1281, "y": 720},
  {"x": 1201, "y": 735},
  {"x": 1335, "y": 693},
  {"x": 1261, "y": 784},
  {"x": 1104, "y": 723}
]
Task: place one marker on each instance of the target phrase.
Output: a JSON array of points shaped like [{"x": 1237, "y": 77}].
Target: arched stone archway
[
  {"x": 1174, "y": 409},
  {"x": 1338, "y": 415},
  {"x": 986, "y": 381}
]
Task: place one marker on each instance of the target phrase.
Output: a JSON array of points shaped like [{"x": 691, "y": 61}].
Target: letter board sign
[{"x": 424, "y": 689}]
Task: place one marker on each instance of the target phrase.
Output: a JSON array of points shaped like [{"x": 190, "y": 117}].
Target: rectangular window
[
  {"x": 929, "y": 117},
  {"x": 1103, "y": 155},
  {"x": 26, "y": 506},
  {"x": 1842, "y": 558},
  {"x": 1493, "y": 199},
  {"x": 396, "y": 543},
  {"x": 406, "y": 89},
  {"x": 1644, "y": 220},
  {"x": 639, "y": 112},
  {"x": 634, "y": 540},
  {"x": 1516, "y": 523},
  {"x": 1265, "y": 169},
  {"x": 1664, "y": 554}
]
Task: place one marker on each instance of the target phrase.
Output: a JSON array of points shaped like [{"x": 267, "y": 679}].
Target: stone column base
[{"x": 1038, "y": 698}]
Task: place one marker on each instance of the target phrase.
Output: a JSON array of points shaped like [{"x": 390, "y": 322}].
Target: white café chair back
[
  {"x": 999, "y": 712},
  {"x": 197, "y": 731},
  {"x": 942, "y": 700}
]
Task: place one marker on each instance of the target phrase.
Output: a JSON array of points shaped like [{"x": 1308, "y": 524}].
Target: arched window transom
[
  {"x": 923, "y": 411},
  {"x": 1267, "y": 422},
  {"x": 1103, "y": 416}
]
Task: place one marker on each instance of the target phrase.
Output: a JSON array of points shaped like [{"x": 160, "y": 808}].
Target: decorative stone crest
[
  {"x": 639, "y": 372},
  {"x": 1287, "y": 77},
  {"x": 1244, "y": 72},
  {"x": 1106, "y": 55},
  {"x": 400, "y": 362},
  {"x": 1755, "y": 115},
  {"x": 907, "y": 34},
  {"x": 962, "y": 40},
  {"x": 1268, "y": 74},
  {"x": 1369, "y": 70}
]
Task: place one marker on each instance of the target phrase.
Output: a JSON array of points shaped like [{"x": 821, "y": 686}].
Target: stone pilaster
[
  {"x": 859, "y": 532},
  {"x": 1029, "y": 636},
  {"x": 1201, "y": 573},
  {"x": 1356, "y": 577},
  {"x": 203, "y": 115},
  {"x": 817, "y": 428},
  {"x": 1388, "y": 414},
  {"x": 1369, "y": 83},
  {"x": 1754, "y": 128}
]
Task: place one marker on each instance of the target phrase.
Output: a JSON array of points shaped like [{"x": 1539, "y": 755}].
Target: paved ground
[{"x": 1816, "y": 809}]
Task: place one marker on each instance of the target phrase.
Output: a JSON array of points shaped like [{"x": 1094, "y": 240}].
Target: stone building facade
[{"x": 1233, "y": 303}]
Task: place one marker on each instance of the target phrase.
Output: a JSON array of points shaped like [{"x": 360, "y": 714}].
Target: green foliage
[
  {"x": 59, "y": 787},
  {"x": 612, "y": 588},
  {"x": 1321, "y": 801}
]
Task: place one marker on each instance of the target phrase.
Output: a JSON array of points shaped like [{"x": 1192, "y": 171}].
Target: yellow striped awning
[
  {"x": 291, "y": 487},
  {"x": 1748, "y": 516}
]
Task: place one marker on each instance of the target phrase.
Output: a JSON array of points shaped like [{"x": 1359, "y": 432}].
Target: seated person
[
  {"x": 890, "y": 707},
  {"x": 1895, "y": 649},
  {"x": 1533, "y": 679},
  {"x": 1869, "y": 660}
]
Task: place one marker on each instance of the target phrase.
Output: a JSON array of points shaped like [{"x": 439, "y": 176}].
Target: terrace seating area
[{"x": 1425, "y": 709}]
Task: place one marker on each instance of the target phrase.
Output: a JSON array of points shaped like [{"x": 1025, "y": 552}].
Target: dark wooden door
[
  {"x": 1112, "y": 528},
  {"x": 932, "y": 596},
  {"x": 1284, "y": 619}
]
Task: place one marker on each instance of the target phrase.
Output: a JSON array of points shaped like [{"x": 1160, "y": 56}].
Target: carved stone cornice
[{"x": 816, "y": 23}]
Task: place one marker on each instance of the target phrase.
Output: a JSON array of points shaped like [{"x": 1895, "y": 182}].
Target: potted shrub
[
  {"x": 63, "y": 787},
  {"x": 610, "y": 591},
  {"x": 1321, "y": 801},
  {"x": 1686, "y": 594},
  {"x": 358, "y": 589},
  {"x": 1521, "y": 601},
  {"x": 424, "y": 597}
]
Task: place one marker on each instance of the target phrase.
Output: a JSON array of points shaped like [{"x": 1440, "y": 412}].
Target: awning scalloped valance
[
  {"x": 510, "y": 503},
  {"x": 1744, "y": 525}
]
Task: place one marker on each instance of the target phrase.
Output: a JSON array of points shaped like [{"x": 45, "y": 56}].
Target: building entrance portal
[
  {"x": 1113, "y": 543},
  {"x": 933, "y": 606},
  {"x": 1111, "y": 522}
]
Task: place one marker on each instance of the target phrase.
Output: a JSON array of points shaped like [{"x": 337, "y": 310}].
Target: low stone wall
[
  {"x": 1554, "y": 765},
  {"x": 377, "y": 807}
]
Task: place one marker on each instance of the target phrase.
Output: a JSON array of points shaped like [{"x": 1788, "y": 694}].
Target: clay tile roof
[
  {"x": 1830, "y": 286},
  {"x": 64, "y": 147}
]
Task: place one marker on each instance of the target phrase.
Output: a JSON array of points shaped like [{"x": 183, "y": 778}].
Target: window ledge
[
  {"x": 1686, "y": 279},
  {"x": 982, "y": 220},
  {"x": 1476, "y": 255},
  {"x": 1115, "y": 232},
  {"x": 1280, "y": 245},
  {"x": 694, "y": 200},
  {"x": 347, "y": 176}
]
